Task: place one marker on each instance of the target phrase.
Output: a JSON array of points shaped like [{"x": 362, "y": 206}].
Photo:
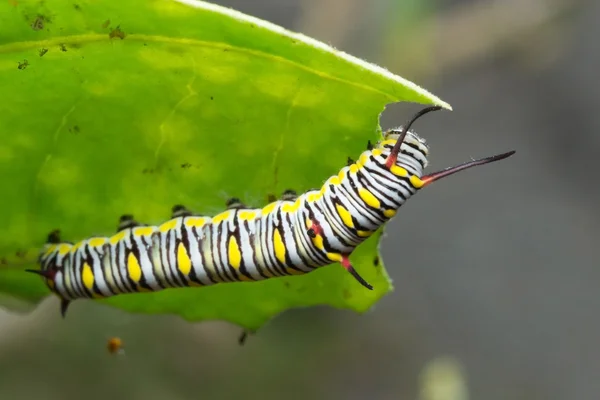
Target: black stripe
[
  {"x": 305, "y": 262},
  {"x": 214, "y": 237},
  {"x": 198, "y": 237},
  {"x": 243, "y": 267},
  {"x": 118, "y": 265},
  {"x": 187, "y": 245},
  {"x": 280, "y": 229},
  {"x": 137, "y": 253},
  {"x": 148, "y": 242},
  {"x": 252, "y": 241}
]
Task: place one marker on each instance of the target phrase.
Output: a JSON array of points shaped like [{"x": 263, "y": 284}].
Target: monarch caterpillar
[{"x": 293, "y": 235}]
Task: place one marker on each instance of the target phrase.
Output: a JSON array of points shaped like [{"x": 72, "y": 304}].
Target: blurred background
[{"x": 496, "y": 271}]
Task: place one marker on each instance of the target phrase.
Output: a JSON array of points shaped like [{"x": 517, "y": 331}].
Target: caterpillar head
[
  {"x": 409, "y": 141},
  {"x": 413, "y": 150}
]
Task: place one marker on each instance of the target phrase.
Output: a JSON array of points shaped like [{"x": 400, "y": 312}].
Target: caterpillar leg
[
  {"x": 243, "y": 337},
  {"x": 234, "y": 203},
  {"x": 316, "y": 230},
  {"x": 126, "y": 221},
  {"x": 54, "y": 237},
  {"x": 369, "y": 145},
  {"x": 50, "y": 274},
  {"x": 64, "y": 306},
  {"x": 289, "y": 195},
  {"x": 180, "y": 211},
  {"x": 350, "y": 161}
]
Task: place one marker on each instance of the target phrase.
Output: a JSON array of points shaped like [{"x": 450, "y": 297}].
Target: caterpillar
[{"x": 293, "y": 235}]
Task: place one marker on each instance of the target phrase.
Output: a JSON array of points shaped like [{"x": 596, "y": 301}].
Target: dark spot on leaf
[
  {"x": 376, "y": 261},
  {"x": 3, "y": 261},
  {"x": 145, "y": 44},
  {"x": 21, "y": 253},
  {"x": 147, "y": 171},
  {"x": 117, "y": 33},
  {"x": 42, "y": 52},
  {"x": 74, "y": 129},
  {"x": 287, "y": 284},
  {"x": 39, "y": 22},
  {"x": 77, "y": 7},
  {"x": 271, "y": 198},
  {"x": 186, "y": 165},
  {"x": 212, "y": 98},
  {"x": 63, "y": 47},
  {"x": 347, "y": 294},
  {"x": 23, "y": 65},
  {"x": 105, "y": 24},
  {"x": 76, "y": 45}
]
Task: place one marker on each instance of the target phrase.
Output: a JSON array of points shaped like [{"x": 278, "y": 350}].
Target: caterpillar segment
[{"x": 293, "y": 235}]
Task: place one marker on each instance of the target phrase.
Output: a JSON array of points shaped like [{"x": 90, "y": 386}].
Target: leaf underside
[{"x": 131, "y": 107}]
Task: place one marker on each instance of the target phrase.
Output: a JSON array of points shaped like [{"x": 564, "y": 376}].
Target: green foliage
[{"x": 123, "y": 107}]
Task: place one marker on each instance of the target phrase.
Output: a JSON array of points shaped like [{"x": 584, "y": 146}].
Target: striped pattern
[{"x": 294, "y": 235}]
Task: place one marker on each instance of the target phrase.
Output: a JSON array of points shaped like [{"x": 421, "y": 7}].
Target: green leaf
[{"x": 124, "y": 107}]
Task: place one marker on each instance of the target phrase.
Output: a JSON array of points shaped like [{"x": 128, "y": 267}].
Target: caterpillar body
[{"x": 290, "y": 236}]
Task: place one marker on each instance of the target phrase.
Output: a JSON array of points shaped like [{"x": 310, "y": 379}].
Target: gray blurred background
[{"x": 496, "y": 271}]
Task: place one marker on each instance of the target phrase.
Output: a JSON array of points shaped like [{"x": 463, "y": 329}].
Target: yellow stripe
[
  {"x": 335, "y": 257},
  {"x": 269, "y": 208},
  {"x": 318, "y": 241},
  {"x": 197, "y": 222},
  {"x": 143, "y": 231},
  {"x": 116, "y": 238},
  {"x": 290, "y": 208},
  {"x": 345, "y": 216},
  {"x": 87, "y": 276},
  {"x": 167, "y": 226},
  {"x": 364, "y": 233},
  {"x": 235, "y": 256},
  {"x": 364, "y": 159},
  {"x": 97, "y": 242},
  {"x": 369, "y": 198},
  {"x": 398, "y": 171},
  {"x": 312, "y": 197},
  {"x": 64, "y": 249},
  {"x": 334, "y": 180},
  {"x": 247, "y": 215},
  {"x": 184, "y": 264},
  {"x": 389, "y": 213},
  {"x": 416, "y": 182},
  {"x": 221, "y": 217},
  {"x": 279, "y": 246},
  {"x": 133, "y": 268},
  {"x": 376, "y": 152}
]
